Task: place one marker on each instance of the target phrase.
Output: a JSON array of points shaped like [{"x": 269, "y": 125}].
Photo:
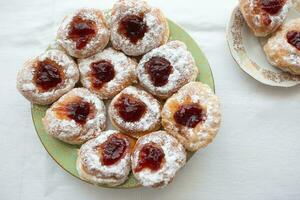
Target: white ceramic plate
[{"x": 247, "y": 51}]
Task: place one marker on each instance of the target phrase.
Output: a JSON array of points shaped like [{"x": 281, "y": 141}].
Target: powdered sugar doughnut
[
  {"x": 105, "y": 159},
  {"x": 135, "y": 112},
  {"x": 107, "y": 73},
  {"x": 166, "y": 69},
  {"x": 156, "y": 159},
  {"x": 76, "y": 117},
  {"x": 83, "y": 33},
  {"x": 136, "y": 28},
  {"x": 45, "y": 78},
  {"x": 264, "y": 16},
  {"x": 192, "y": 115},
  {"x": 283, "y": 49}
]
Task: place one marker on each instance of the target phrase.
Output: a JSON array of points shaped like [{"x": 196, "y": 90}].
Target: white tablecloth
[{"x": 255, "y": 155}]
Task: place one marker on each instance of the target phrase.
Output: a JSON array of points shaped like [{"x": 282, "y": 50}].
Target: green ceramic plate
[{"x": 65, "y": 155}]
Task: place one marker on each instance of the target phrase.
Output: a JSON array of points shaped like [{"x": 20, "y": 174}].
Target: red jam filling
[
  {"x": 82, "y": 31},
  {"x": 189, "y": 115},
  {"x": 78, "y": 111},
  {"x": 159, "y": 70},
  {"x": 272, "y": 6},
  {"x": 130, "y": 109},
  {"x": 101, "y": 72},
  {"x": 150, "y": 157},
  {"x": 266, "y": 19},
  {"x": 113, "y": 150},
  {"x": 293, "y": 37},
  {"x": 133, "y": 27},
  {"x": 47, "y": 75}
]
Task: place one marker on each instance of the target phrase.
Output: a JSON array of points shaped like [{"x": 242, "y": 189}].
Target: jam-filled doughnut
[
  {"x": 105, "y": 159},
  {"x": 264, "y": 16},
  {"x": 76, "y": 117},
  {"x": 165, "y": 69},
  {"x": 107, "y": 73},
  {"x": 135, "y": 112},
  {"x": 156, "y": 158},
  {"x": 83, "y": 33},
  {"x": 136, "y": 28},
  {"x": 192, "y": 115},
  {"x": 283, "y": 49},
  {"x": 45, "y": 78}
]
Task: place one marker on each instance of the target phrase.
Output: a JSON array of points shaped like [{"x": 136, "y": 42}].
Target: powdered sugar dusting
[
  {"x": 275, "y": 19},
  {"x": 155, "y": 35},
  {"x": 124, "y": 68},
  {"x": 149, "y": 120},
  {"x": 280, "y": 17},
  {"x": 282, "y": 54},
  {"x": 175, "y": 158},
  {"x": 98, "y": 42},
  {"x": 294, "y": 59},
  {"x": 26, "y": 75},
  {"x": 89, "y": 164},
  {"x": 67, "y": 129},
  {"x": 203, "y": 133},
  {"x": 182, "y": 62}
]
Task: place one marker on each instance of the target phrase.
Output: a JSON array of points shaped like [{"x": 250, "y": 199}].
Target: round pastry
[
  {"x": 83, "y": 33},
  {"x": 107, "y": 73},
  {"x": 283, "y": 48},
  {"x": 166, "y": 69},
  {"x": 135, "y": 112},
  {"x": 76, "y": 117},
  {"x": 105, "y": 159},
  {"x": 136, "y": 28},
  {"x": 45, "y": 78},
  {"x": 264, "y": 16},
  {"x": 156, "y": 158},
  {"x": 192, "y": 115}
]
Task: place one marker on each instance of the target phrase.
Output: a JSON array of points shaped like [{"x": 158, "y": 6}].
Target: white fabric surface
[{"x": 255, "y": 155}]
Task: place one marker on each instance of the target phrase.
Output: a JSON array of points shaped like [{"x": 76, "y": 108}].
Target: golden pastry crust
[
  {"x": 199, "y": 94},
  {"x": 123, "y": 68},
  {"x": 261, "y": 22},
  {"x": 95, "y": 44},
  {"x": 58, "y": 123},
  {"x": 28, "y": 86},
  {"x": 173, "y": 160},
  {"x": 280, "y": 52},
  {"x": 183, "y": 69},
  {"x": 148, "y": 122},
  {"x": 90, "y": 164},
  {"x": 156, "y": 34}
]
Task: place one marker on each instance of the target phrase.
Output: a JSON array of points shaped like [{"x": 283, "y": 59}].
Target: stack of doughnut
[{"x": 123, "y": 60}]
